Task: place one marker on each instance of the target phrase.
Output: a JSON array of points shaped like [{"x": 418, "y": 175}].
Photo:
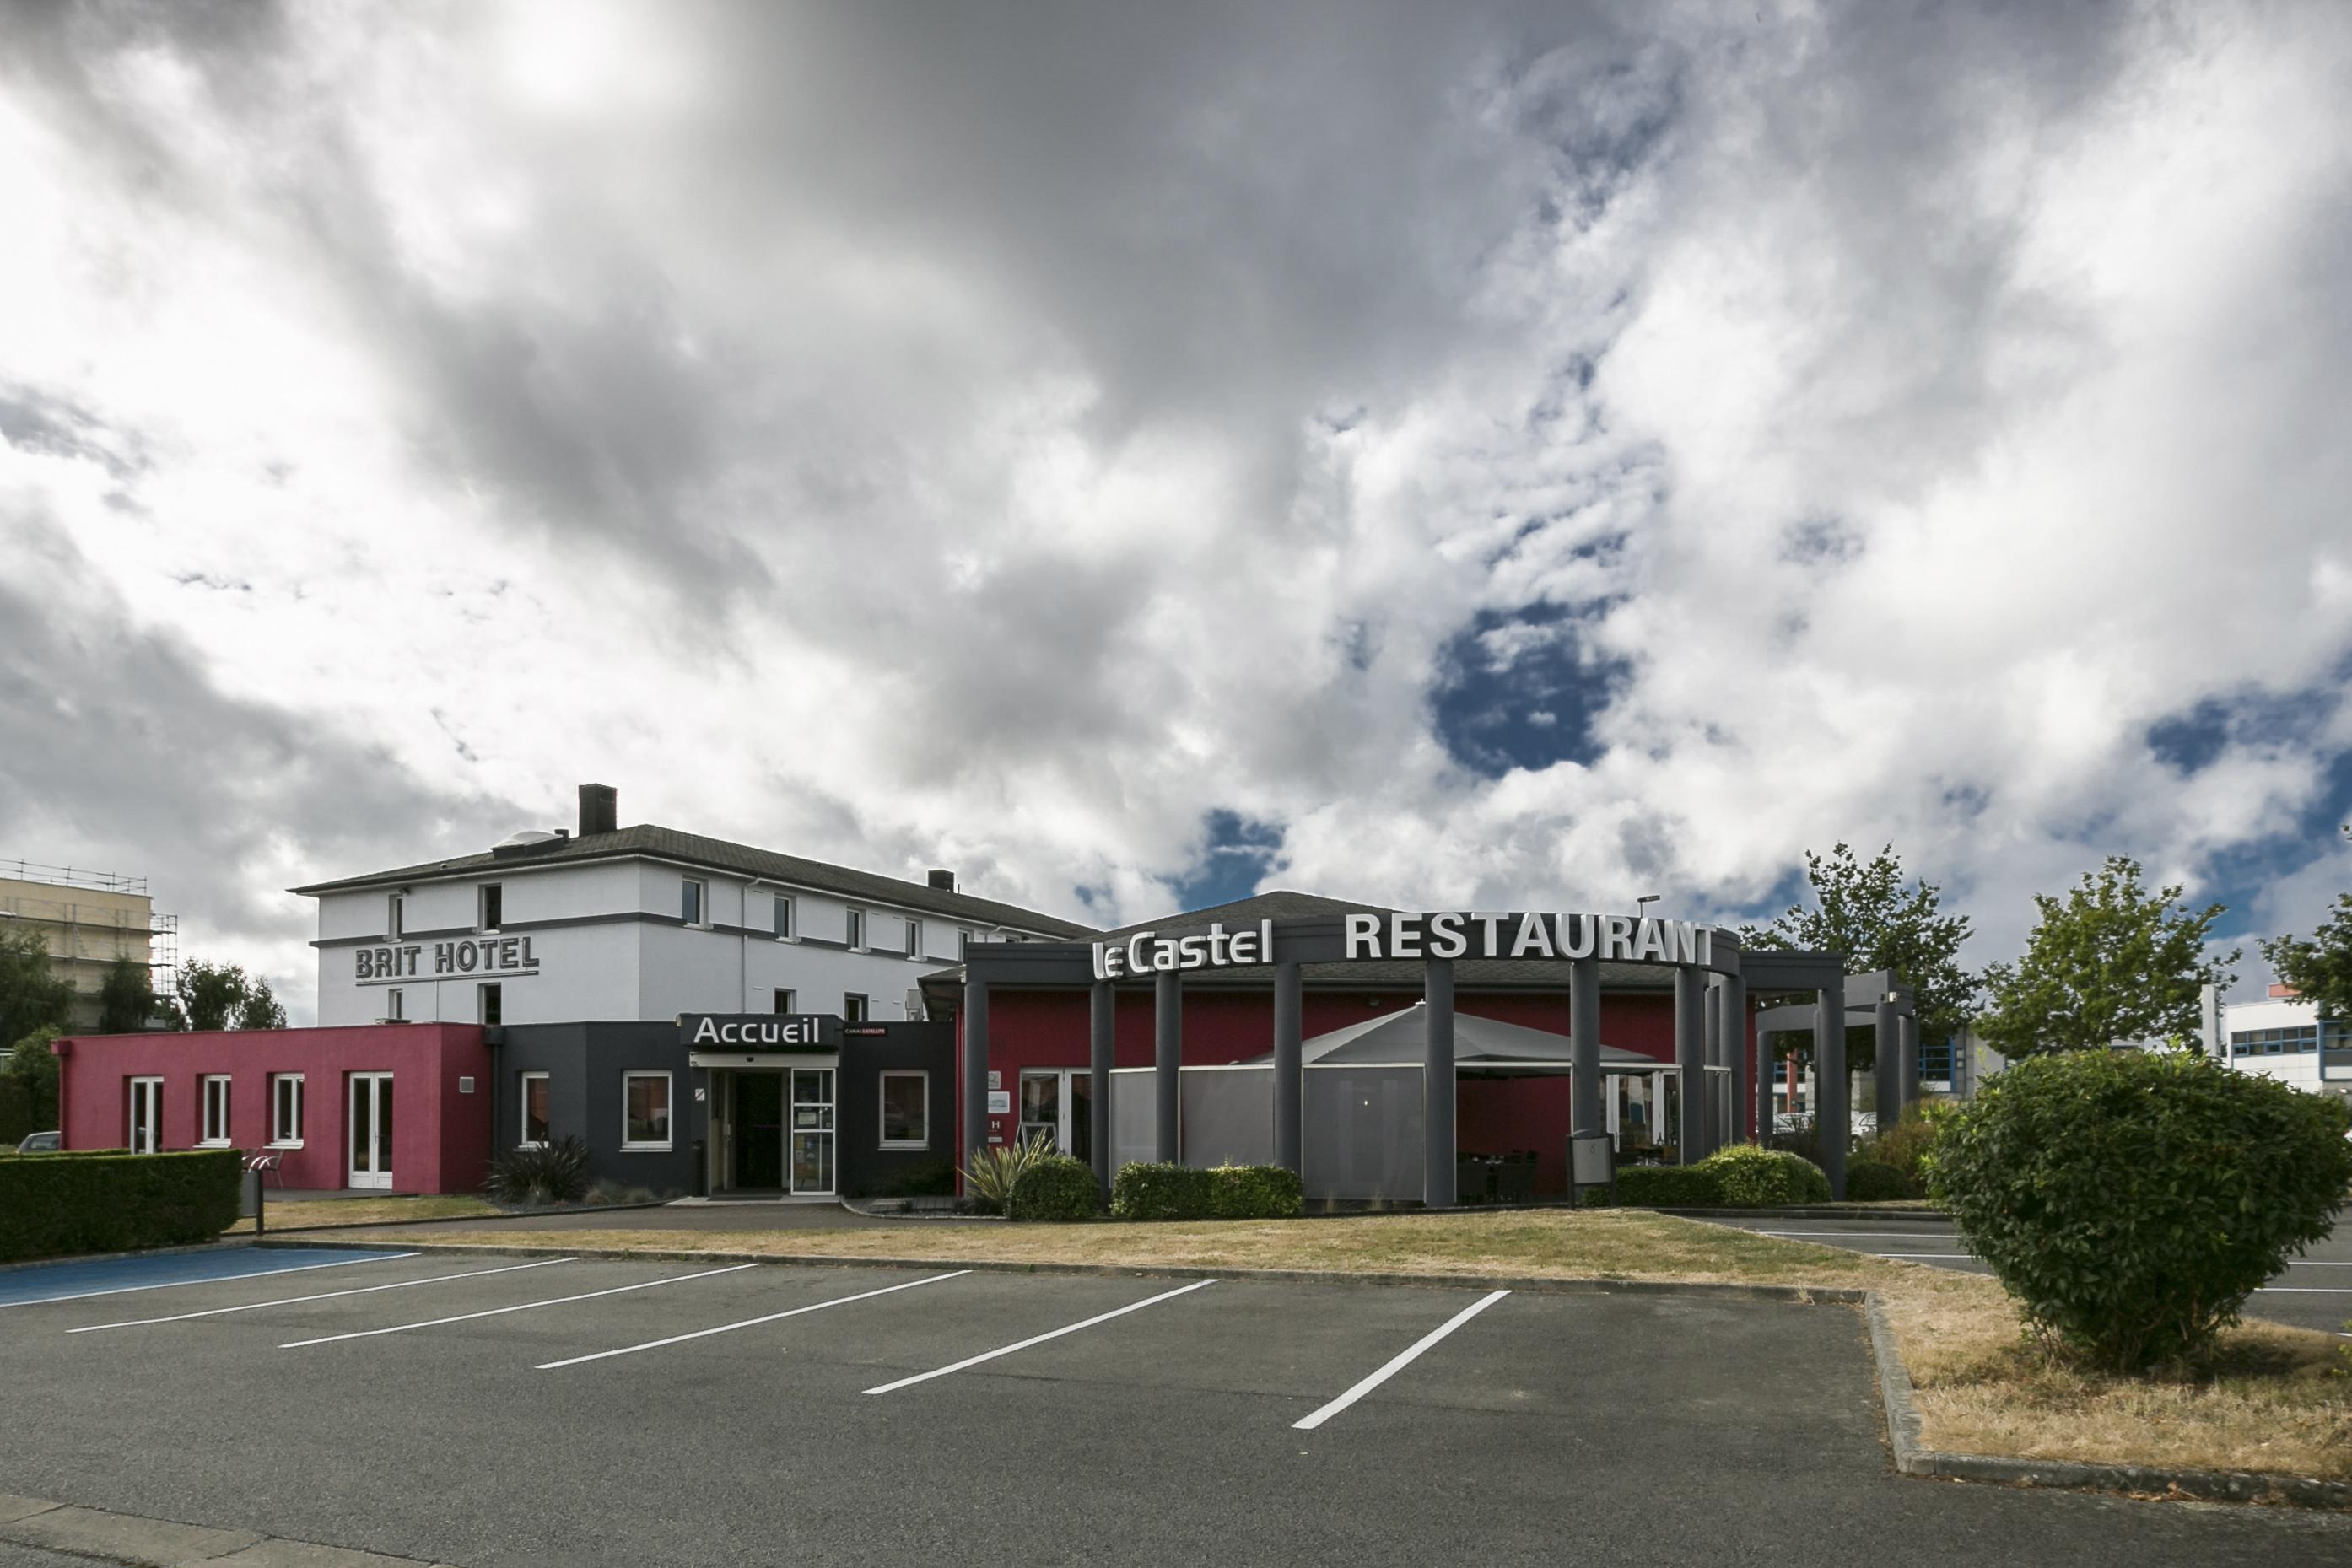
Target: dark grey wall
[{"x": 584, "y": 1063}]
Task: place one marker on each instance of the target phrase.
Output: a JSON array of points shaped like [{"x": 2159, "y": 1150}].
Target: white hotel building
[
  {"x": 641, "y": 923},
  {"x": 2284, "y": 1037}
]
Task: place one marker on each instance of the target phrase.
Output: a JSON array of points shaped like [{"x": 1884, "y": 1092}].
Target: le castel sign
[
  {"x": 1450, "y": 934},
  {"x": 754, "y": 1032}
]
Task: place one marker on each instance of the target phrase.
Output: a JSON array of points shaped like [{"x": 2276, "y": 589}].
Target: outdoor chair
[{"x": 270, "y": 1164}]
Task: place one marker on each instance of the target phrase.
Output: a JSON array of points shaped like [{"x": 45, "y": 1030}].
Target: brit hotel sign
[
  {"x": 1619, "y": 938},
  {"x": 492, "y": 957}
]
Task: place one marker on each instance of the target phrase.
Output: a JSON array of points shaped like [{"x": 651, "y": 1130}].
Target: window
[
  {"x": 645, "y": 1110},
  {"x": 534, "y": 1110},
  {"x": 906, "y": 1111},
  {"x": 856, "y": 929},
  {"x": 494, "y": 906},
  {"x": 393, "y": 1000},
  {"x": 394, "y": 911},
  {"x": 786, "y": 931},
  {"x": 146, "y": 1115},
  {"x": 286, "y": 1109},
  {"x": 914, "y": 939},
  {"x": 216, "y": 1086},
  {"x": 852, "y": 1007},
  {"x": 494, "y": 1003},
  {"x": 691, "y": 893},
  {"x": 784, "y": 999},
  {"x": 964, "y": 942}
]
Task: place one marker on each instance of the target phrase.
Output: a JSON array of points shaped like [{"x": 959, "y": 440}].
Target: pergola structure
[
  {"x": 1713, "y": 980},
  {"x": 1879, "y": 999}
]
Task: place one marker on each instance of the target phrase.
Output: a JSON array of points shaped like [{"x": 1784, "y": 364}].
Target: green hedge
[
  {"x": 1875, "y": 1181},
  {"x": 1752, "y": 1178},
  {"x": 1182, "y": 1192},
  {"x": 1669, "y": 1186},
  {"x": 1055, "y": 1187},
  {"x": 53, "y": 1204}
]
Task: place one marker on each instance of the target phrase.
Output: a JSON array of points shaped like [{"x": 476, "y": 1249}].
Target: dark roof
[
  {"x": 1403, "y": 1037},
  {"x": 717, "y": 854},
  {"x": 1282, "y": 903}
]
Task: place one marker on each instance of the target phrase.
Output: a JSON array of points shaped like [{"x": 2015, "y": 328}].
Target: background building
[
  {"x": 2284, "y": 1036},
  {"x": 90, "y": 921}
]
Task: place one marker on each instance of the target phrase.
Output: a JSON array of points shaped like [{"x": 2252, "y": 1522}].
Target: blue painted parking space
[{"x": 159, "y": 1271}]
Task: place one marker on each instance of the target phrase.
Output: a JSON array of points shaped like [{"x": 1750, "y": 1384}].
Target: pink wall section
[{"x": 441, "y": 1138}]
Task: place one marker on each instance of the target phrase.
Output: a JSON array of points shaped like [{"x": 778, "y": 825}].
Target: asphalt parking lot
[
  {"x": 2313, "y": 1292},
  {"x": 496, "y": 1410}
]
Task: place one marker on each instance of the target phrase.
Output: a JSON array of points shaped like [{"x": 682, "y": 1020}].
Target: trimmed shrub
[
  {"x": 930, "y": 1179},
  {"x": 1256, "y": 1192},
  {"x": 2130, "y": 1200},
  {"x": 1182, "y": 1192},
  {"x": 51, "y": 1204},
  {"x": 1874, "y": 1181},
  {"x": 1750, "y": 1177},
  {"x": 1142, "y": 1191},
  {"x": 1908, "y": 1145},
  {"x": 1054, "y": 1187},
  {"x": 994, "y": 1169},
  {"x": 553, "y": 1172},
  {"x": 1669, "y": 1186}
]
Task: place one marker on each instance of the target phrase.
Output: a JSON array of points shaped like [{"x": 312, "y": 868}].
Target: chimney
[
  {"x": 944, "y": 880},
  {"x": 599, "y": 809}
]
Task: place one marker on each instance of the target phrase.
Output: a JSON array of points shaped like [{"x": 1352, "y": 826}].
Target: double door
[
  {"x": 1057, "y": 1105},
  {"x": 778, "y": 1130},
  {"x": 370, "y": 1126}
]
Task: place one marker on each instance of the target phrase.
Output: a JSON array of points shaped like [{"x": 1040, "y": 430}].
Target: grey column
[
  {"x": 1103, "y": 1056},
  {"x": 1735, "y": 1035},
  {"x": 1167, "y": 1060},
  {"x": 1907, "y": 1033},
  {"x": 1690, "y": 1059},
  {"x": 1830, "y": 1117},
  {"x": 975, "y": 1068},
  {"x": 1887, "y": 1077},
  {"x": 1437, "y": 1086},
  {"x": 1586, "y": 1119},
  {"x": 1714, "y": 1054},
  {"x": 1289, "y": 1074}
]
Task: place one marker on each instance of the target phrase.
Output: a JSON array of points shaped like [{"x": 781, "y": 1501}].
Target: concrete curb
[
  {"x": 131, "y": 1538},
  {"x": 1534, "y": 1284},
  {"x": 1809, "y": 1211},
  {"x": 1913, "y": 1457},
  {"x": 444, "y": 1219}
]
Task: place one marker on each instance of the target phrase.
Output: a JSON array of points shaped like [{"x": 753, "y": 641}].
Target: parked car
[{"x": 39, "y": 1143}]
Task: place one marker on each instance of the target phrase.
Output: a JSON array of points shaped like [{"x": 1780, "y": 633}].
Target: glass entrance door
[
  {"x": 1058, "y": 1106},
  {"x": 812, "y": 1129},
  {"x": 755, "y": 1115},
  {"x": 370, "y": 1130},
  {"x": 146, "y": 1115}
]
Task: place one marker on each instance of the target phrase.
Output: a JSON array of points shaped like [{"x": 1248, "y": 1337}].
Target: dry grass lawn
[{"x": 2276, "y": 1399}]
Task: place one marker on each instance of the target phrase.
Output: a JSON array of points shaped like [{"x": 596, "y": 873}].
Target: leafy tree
[
  {"x": 222, "y": 996},
  {"x": 2320, "y": 968},
  {"x": 1862, "y": 910},
  {"x": 126, "y": 999},
  {"x": 32, "y": 994},
  {"x": 32, "y": 1065},
  {"x": 2111, "y": 961}
]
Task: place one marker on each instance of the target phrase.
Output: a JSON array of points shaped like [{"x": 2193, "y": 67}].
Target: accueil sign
[{"x": 1453, "y": 933}]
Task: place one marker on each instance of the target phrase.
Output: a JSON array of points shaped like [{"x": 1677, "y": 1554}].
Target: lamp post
[{"x": 1643, "y": 902}]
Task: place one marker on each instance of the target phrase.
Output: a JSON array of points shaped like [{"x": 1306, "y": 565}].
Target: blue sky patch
[{"x": 1522, "y": 689}]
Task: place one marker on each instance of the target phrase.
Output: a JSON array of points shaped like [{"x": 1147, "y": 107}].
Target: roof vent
[{"x": 944, "y": 880}]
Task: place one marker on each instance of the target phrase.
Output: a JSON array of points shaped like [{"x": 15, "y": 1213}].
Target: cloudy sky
[{"x": 1454, "y": 455}]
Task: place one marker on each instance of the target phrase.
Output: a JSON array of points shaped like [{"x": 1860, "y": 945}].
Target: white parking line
[
  {"x": 1041, "y": 1339},
  {"x": 2303, "y": 1290},
  {"x": 517, "y": 1307},
  {"x": 749, "y": 1322},
  {"x": 210, "y": 1280},
  {"x": 320, "y": 1296},
  {"x": 1399, "y": 1363},
  {"x": 1970, "y": 1256},
  {"x": 1868, "y": 1235}
]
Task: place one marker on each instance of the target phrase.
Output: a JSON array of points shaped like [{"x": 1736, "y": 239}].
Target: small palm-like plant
[
  {"x": 554, "y": 1172},
  {"x": 994, "y": 1170}
]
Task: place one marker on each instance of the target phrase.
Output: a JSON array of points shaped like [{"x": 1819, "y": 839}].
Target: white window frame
[
  {"x": 394, "y": 915},
  {"x": 787, "y": 917},
  {"x": 883, "y": 1094},
  {"x": 701, "y": 885},
  {"x": 523, "y": 1140},
  {"x": 154, "y": 1097},
  {"x": 853, "y": 930},
  {"x": 963, "y": 943},
  {"x": 482, "y": 921},
  {"x": 395, "y": 1002},
  {"x": 280, "y": 1138},
  {"x": 669, "y": 1114},
  {"x": 856, "y": 1007},
  {"x": 914, "y": 937},
  {"x": 785, "y": 998},
  {"x": 482, "y": 989},
  {"x": 209, "y": 1138}
]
